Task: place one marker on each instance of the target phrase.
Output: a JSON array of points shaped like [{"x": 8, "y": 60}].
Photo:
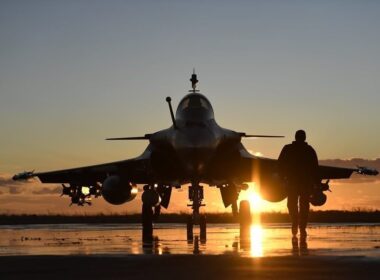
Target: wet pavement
[{"x": 268, "y": 240}]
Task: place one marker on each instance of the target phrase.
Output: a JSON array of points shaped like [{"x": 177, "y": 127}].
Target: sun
[
  {"x": 255, "y": 200},
  {"x": 252, "y": 194}
]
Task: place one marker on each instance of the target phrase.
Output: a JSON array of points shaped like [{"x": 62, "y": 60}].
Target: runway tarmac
[{"x": 344, "y": 251}]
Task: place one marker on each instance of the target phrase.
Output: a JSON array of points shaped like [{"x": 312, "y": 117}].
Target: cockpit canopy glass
[{"x": 194, "y": 106}]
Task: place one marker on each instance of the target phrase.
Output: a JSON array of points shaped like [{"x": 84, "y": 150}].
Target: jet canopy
[{"x": 194, "y": 107}]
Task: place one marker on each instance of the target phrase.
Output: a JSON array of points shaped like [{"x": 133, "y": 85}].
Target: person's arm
[{"x": 314, "y": 164}]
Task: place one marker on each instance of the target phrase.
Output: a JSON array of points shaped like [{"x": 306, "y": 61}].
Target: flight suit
[{"x": 298, "y": 165}]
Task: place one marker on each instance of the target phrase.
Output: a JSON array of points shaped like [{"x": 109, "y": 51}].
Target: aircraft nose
[
  {"x": 195, "y": 159},
  {"x": 195, "y": 148}
]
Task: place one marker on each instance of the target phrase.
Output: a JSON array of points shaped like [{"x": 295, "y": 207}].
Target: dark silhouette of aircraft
[{"x": 194, "y": 150}]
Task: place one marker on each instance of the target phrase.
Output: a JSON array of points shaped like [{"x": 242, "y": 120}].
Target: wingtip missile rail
[
  {"x": 367, "y": 171},
  {"x": 24, "y": 176}
]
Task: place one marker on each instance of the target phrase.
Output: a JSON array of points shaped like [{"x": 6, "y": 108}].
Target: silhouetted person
[{"x": 298, "y": 165}]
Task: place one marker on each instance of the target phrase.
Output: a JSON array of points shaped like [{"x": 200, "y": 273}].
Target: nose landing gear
[
  {"x": 196, "y": 198},
  {"x": 152, "y": 203}
]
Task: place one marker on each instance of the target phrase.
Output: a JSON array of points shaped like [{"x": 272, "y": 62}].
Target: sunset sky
[{"x": 75, "y": 72}]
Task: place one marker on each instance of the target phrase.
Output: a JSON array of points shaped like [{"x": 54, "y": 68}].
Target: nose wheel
[
  {"x": 245, "y": 219},
  {"x": 196, "y": 198}
]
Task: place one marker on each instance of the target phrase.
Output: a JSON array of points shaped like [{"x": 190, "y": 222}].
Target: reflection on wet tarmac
[
  {"x": 256, "y": 239},
  {"x": 261, "y": 240}
]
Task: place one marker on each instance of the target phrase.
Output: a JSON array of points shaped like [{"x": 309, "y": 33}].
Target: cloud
[
  {"x": 47, "y": 190},
  {"x": 7, "y": 181},
  {"x": 15, "y": 190},
  {"x": 10, "y": 186},
  {"x": 32, "y": 186}
]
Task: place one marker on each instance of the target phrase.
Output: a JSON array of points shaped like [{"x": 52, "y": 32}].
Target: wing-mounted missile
[
  {"x": 68, "y": 190},
  {"x": 367, "y": 171},
  {"x": 96, "y": 190},
  {"x": 81, "y": 195},
  {"x": 24, "y": 176}
]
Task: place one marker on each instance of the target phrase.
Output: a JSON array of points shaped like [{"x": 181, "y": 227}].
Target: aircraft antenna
[
  {"x": 168, "y": 99},
  {"x": 194, "y": 82}
]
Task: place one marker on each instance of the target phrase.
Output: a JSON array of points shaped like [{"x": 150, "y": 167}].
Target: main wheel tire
[
  {"x": 189, "y": 227},
  {"x": 245, "y": 219},
  {"x": 147, "y": 222},
  {"x": 203, "y": 227}
]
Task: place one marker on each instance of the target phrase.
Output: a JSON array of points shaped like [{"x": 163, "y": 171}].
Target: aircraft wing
[
  {"x": 332, "y": 172},
  {"x": 135, "y": 170},
  {"x": 258, "y": 166}
]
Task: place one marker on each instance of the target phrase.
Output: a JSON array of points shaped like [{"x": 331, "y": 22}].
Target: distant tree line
[{"x": 331, "y": 216}]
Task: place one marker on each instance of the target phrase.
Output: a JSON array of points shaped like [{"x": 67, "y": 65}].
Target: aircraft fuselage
[{"x": 193, "y": 144}]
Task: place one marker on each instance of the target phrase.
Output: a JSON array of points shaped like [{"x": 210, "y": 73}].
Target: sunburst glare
[{"x": 252, "y": 194}]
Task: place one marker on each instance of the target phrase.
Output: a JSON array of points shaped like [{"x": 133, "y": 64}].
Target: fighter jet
[{"x": 194, "y": 150}]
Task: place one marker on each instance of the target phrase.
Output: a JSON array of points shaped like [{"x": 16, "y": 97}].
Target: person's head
[{"x": 300, "y": 135}]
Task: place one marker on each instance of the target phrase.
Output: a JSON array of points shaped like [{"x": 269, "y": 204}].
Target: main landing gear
[
  {"x": 153, "y": 197},
  {"x": 196, "y": 198}
]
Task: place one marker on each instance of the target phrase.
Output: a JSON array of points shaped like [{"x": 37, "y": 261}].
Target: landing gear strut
[
  {"x": 147, "y": 222},
  {"x": 196, "y": 198},
  {"x": 150, "y": 211}
]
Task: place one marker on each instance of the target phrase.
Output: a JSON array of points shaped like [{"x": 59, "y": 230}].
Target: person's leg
[
  {"x": 293, "y": 211},
  {"x": 304, "y": 213}
]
